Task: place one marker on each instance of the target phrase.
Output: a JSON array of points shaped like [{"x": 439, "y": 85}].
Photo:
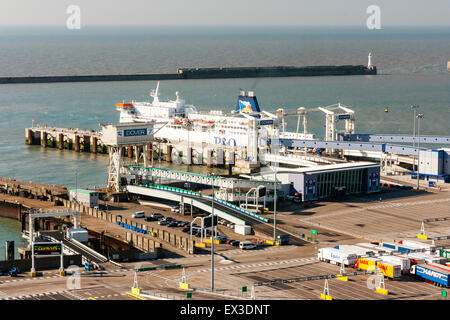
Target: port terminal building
[{"x": 327, "y": 181}]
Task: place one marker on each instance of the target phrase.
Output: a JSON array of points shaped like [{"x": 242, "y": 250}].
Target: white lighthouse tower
[{"x": 369, "y": 62}]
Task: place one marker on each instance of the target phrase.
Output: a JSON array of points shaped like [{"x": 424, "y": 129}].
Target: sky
[{"x": 226, "y": 12}]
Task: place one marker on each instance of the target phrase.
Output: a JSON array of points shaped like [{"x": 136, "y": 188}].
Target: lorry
[
  {"x": 413, "y": 259},
  {"x": 431, "y": 274},
  {"x": 428, "y": 258},
  {"x": 283, "y": 239},
  {"x": 390, "y": 270},
  {"x": 404, "y": 262},
  {"x": 335, "y": 256}
]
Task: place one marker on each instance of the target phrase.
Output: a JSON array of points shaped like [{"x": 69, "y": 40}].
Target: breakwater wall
[{"x": 205, "y": 73}]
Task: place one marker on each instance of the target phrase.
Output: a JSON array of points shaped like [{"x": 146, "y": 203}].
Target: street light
[
  {"x": 419, "y": 116},
  {"x": 212, "y": 236},
  {"x": 414, "y": 107}
]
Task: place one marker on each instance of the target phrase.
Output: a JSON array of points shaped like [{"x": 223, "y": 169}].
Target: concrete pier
[
  {"x": 171, "y": 151},
  {"x": 64, "y": 138}
]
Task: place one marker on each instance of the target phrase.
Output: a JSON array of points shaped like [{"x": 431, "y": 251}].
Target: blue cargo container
[{"x": 431, "y": 273}]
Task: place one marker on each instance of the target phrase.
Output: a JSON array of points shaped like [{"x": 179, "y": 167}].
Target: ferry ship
[{"x": 246, "y": 127}]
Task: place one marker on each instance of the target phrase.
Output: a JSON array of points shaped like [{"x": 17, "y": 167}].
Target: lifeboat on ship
[{"x": 124, "y": 105}]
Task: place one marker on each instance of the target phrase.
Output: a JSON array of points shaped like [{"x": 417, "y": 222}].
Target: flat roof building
[{"x": 325, "y": 181}]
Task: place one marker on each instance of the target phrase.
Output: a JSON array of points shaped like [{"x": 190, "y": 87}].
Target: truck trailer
[
  {"x": 360, "y": 252},
  {"x": 431, "y": 274},
  {"x": 390, "y": 270},
  {"x": 404, "y": 262},
  {"x": 335, "y": 256}
]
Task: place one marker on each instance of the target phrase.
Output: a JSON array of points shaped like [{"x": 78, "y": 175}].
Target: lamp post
[
  {"x": 414, "y": 107},
  {"x": 212, "y": 237},
  {"x": 419, "y": 116},
  {"x": 275, "y": 205}
]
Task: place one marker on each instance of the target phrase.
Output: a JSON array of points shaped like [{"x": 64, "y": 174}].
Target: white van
[
  {"x": 139, "y": 214},
  {"x": 246, "y": 245}
]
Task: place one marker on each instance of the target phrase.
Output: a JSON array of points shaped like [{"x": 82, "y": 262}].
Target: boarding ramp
[
  {"x": 88, "y": 254},
  {"x": 217, "y": 181},
  {"x": 223, "y": 209}
]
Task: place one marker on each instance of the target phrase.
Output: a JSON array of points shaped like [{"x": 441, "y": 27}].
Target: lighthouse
[{"x": 369, "y": 62}]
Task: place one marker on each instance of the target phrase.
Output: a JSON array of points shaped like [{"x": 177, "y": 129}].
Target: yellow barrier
[
  {"x": 154, "y": 234},
  {"x": 383, "y": 291},
  {"x": 324, "y": 296},
  {"x": 209, "y": 241},
  {"x": 184, "y": 286},
  {"x": 422, "y": 236},
  {"x": 91, "y": 298},
  {"x": 342, "y": 278},
  {"x": 136, "y": 291},
  {"x": 200, "y": 245},
  {"x": 135, "y": 296},
  {"x": 270, "y": 242}
]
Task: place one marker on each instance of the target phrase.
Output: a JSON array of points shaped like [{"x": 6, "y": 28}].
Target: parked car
[
  {"x": 222, "y": 239},
  {"x": 172, "y": 224},
  {"x": 186, "y": 229},
  {"x": 157, "y": 215},
  {"x": 148, "y": 219},
  {"x": 163, "y": 222},
  {"x": 138, "y": 214},
  {"x": 169, "y": 219},
  {"x": 247, "y": 245},
  {"x": 234, "y": 243}
]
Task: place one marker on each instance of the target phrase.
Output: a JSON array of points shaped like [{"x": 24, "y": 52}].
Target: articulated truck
[
  {"x": 336, "y": 256},
  {"x": 438, "y": 276}
]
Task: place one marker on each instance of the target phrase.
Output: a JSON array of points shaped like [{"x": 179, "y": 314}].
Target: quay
[{"x": 205, "y": 73}]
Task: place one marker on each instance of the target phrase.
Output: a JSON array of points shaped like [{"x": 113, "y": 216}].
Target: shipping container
[
  {"x": 389, "y": 269},
  {"x": 430, "y": 273},
  {"x": 336, "y": 256},
  {"x": 445, "y": 254}
]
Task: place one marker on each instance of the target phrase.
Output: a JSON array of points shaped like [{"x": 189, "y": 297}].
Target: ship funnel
[{"x": 247, "y": 103}]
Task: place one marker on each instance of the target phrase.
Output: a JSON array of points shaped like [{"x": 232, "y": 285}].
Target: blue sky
[{"x": 226, "y": 12}]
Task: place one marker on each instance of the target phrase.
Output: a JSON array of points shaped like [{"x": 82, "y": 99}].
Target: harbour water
[{"x": 411, "y": 64}]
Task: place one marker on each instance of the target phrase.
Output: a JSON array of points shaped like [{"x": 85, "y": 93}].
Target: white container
[
  {"x": 356, "y": 250},
  {"x": 404, "y": 262},
  {"x": 373, "y": 247},
  {"x": 242, "y": 229},
  {"x": 419, "y": 245},
  {"x": 428, "y": 258},
  {"x": 336, "y": 256},
  {"x": 79, "y": 234}
]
